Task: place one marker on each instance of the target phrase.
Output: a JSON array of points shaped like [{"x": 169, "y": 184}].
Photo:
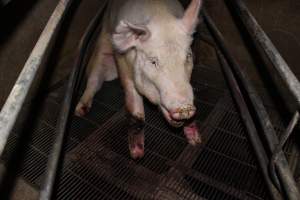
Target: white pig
[{"x": 147, "y": 44}]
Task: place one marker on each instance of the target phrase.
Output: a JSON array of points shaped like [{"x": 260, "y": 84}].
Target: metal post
[
  {"x": 73, "y": 82},
  {"x": 284, "y": 172},
  {"x": 15, "y": 100}
]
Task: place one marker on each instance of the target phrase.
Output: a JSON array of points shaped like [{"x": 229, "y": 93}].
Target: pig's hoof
[
  {"x": 192, "y": 135},
  {"x": 136, "y": 145},
  {"x": 82, "y": 109},
  {"x": 136, "y": 152}
]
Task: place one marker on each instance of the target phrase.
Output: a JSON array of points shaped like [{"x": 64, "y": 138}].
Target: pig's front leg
[
  {"x": 94, "y": 83},
  {"x": 101, "y": 68},
  {"x": 136, "y": 137},
  {"x": 191, "y": 132},
  {"x": 135, "y": 107}
]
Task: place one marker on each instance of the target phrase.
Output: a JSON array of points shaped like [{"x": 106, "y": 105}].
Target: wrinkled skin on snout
[{"x": 147, "y": 44}]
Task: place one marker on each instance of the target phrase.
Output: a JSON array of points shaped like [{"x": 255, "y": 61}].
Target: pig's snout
[
  {"x": 177, "y": 103},
  {"x": 183, "y": 112}
]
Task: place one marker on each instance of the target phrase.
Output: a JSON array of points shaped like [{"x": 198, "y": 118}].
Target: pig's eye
[
  {"x": 154, "y": 61},
  {"x": 189, "y": 56}
]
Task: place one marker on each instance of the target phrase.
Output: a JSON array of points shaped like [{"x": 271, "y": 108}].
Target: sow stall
[{"x": 244, "y": 154}]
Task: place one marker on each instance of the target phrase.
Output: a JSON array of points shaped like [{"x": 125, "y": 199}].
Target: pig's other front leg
[
  {"x": 101, "y": 67},
  {"x": 135, "y": 107},
  {"x": 94, "y": 83},
  {"x": 191, "y": 132}
]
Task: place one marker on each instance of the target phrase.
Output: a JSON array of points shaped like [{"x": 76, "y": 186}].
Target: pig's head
[{"x": 162, "y": 60}]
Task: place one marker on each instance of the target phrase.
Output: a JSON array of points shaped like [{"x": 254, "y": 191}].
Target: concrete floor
[{"x": 23, "y": 22}]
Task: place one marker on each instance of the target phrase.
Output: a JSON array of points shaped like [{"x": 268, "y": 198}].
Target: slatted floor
[{"x": 97, "y": 163}]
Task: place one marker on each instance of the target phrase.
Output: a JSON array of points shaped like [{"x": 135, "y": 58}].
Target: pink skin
[
  {"x": 136, "y": 145},
  {"x": 82, "y": 109},
  {"x": 183, "y": 113},
  {"x": 135, "y": 106},
  {"x": 110, "y": 60},
  {"x": 191, "y": 130},
  {"x": 191, "y": 133},
  {"x": 177, "y": 117},
  {"x": 101, "y": 67}
]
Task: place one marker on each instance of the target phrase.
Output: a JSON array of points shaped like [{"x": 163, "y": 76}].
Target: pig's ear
[
  {"x": 190, "y": 18},
  {"x": 128, "y": 35}
]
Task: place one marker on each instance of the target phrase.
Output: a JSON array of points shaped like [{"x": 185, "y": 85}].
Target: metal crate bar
[
  {"x": 250, "y": 126},
  {"x": 282, "y": 142},
  {"x": 284, "y": 172},
  {"x": 76, "y": 76},
  {"x": 259, "y": 36},
  {"x": 15, "y": 100}
]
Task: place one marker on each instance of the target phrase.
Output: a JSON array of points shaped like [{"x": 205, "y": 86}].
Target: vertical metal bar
[
  {"x": 259, "y": 150},
  {"x": 15, "y": 100},
  {"x": 285, "y": 174},
  {"x": 73, "y": 83},
  {"x": 259, "y": 36}
]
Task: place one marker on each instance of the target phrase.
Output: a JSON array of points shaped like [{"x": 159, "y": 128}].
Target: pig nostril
[
  {"x": 183, "y": 113},
  {"x": 176, "y": 115}
]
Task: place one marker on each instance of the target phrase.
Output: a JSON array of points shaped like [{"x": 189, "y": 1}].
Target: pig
[{"x": 147, "y": 44}]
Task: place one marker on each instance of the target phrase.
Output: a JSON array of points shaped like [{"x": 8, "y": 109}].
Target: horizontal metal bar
[
  {"x": 259, "y": 36},
  {"x": 15, "y": 100},
  {"x": 73, "y": 83},
  {"x": 269, "y": 133}
]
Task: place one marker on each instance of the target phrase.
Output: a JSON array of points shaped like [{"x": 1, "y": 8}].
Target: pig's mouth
[{"x": 172, "y": 122}]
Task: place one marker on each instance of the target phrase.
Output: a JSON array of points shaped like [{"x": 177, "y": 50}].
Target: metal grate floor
[{"x": 97, "y": 163}]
